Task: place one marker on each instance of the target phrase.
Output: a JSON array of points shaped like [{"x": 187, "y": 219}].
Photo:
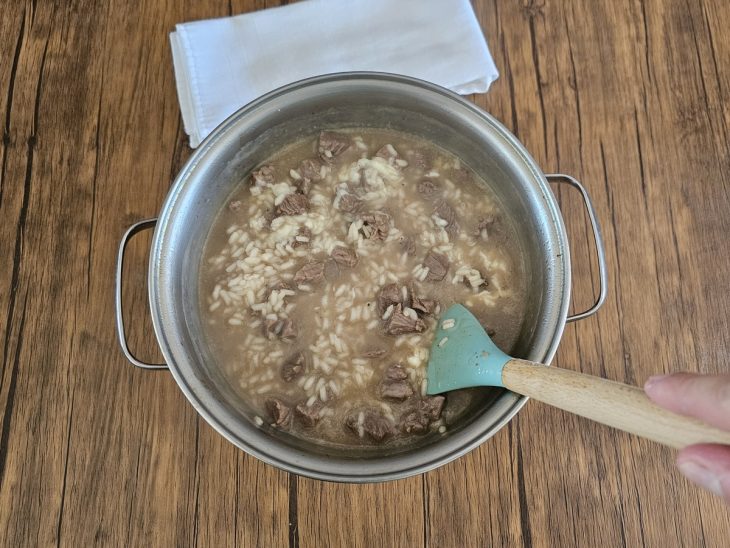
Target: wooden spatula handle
[{"x": 612, "y": 403}]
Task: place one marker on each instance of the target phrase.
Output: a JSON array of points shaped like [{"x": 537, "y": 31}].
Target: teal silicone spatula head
[{"x": 462, "y": 354}]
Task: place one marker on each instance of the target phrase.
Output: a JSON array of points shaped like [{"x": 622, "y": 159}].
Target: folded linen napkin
[{"x": 222, "y": 64}]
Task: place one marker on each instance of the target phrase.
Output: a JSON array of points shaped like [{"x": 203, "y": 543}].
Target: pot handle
[
  {"x": 600, "y": 250},
  {"x": 131, "y": 231}
]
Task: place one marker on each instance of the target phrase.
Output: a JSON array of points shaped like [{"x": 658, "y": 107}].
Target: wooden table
[{"x": 632, "y": 97}]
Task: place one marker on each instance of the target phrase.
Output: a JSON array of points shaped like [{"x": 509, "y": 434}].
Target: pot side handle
[
  {"x": 131, "y": 231},
  {"x": 600, "y": 250}
]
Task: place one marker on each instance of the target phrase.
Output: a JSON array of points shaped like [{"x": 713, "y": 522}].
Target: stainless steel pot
[{"x": 349, "y": 100}]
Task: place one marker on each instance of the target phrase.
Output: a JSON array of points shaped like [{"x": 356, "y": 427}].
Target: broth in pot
[{"x": 323, "y": 278}]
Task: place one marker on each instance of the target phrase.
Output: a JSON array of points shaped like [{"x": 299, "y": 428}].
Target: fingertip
[{"x": 652, "y": 382}]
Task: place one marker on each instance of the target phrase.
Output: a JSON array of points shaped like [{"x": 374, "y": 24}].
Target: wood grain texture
[{"x": 631, "y": 97}]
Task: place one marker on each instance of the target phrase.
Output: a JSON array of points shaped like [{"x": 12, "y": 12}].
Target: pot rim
[{"x": 301, "y": 462}]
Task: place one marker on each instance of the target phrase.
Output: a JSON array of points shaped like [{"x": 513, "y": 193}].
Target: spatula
[{"x": 463, "y": 355}]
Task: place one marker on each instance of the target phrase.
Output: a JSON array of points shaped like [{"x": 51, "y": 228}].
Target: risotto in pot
[{"x": 323, "y": 279}]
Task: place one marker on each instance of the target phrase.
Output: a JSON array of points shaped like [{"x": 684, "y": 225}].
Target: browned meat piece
[
  {"x": 349, "y": 203},
  {"x": 423, "y": 306},
  {"x": 374, "y": 424},
  {"x": 395, "y": 373},
  {"x": 375, "y": 353},
  {"x": 414, "y": 422},
  {"x": 445, "y": 211},
  {"x": 332, "y": 144},
  {"x": 427, "y": 410},
  {"x": 283, "y": 328},
  {"x": 293, "y": 204},
  {"x": 289, "y": 330},
  {"x": 279, "y": 411},
  {"x": 408, "y": 245},
  {"x": 263, "y": 176},
  {"x": 484, "y": 227},
  {"x": 304, "y": 233},
  {"x": 309, "y": 415},
  {"x": 395, "y": 386},
  {"x": 452, "y": 230},
  {"x": 438, "y": 266},
  {"x": 398, "y": 391},
  {"x": 418, "y": 159},
  {"x": 390, "y": 155},
  {"x": 461, "y": 175},
  {"x": 293, "y": 367},
  {"x": 400, "y": 324},
  {"x": 387, "y": 152},
  {"x": 311, "y": 169},
  {"x": 388, "y": 294},
  {"x": 432, "y": 406},
  {"x": 235, "y": 205},
  {"x": 376, "y": 225},
  {"x": 331, "y": 270},
  {"x": 344, "y": 256},
  {"x": 310, "y": 273},
  {"x": 303, "y": 186},
  {"x": 428, "y": 189}
]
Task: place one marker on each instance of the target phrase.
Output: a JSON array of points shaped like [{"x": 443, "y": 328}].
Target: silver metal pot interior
[{"x": 258, "y": 130}]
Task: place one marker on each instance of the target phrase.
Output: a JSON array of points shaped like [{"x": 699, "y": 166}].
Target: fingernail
[
  {"x": 702, "y": 476},
  {"x": 653, "y": 380}
]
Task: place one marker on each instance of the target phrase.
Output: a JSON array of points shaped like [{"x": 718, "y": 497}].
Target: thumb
[{"x": 705, "y": 397}]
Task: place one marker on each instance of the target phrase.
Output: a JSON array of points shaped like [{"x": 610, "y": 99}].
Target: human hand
[{"x": 705, "y": 397}]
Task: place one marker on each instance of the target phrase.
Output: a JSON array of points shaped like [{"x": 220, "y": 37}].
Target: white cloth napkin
[{"x": 222, "y": 64}]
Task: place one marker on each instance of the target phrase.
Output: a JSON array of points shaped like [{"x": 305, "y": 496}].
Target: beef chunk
[
  {"x": 423, "y": 306},
  {"x": 438, "y": 266},
  {"x": 344, "y": 256},
  {"x": 388, "y": 294},
  {"x": 304, "y": 233},
  {"x": 484, "y": 227},
  {"x": 399, "y": 324},
  {"x": 419, "y": 159},
  {"x": 376, "y": 225},
  {"x": 432, "y": 406},
  {"x": 310, "y": 169},
  {"x": 395, "y": 373},
  {"x": 394, "y": 385},
  {"x": 293, "y": 367},
  {"x": 309, "y": 415},
  {"x": 264, "y": 176},
  {"x": 280, "y": 412},
  {"x": 331, "y": 270},
  {"x": 390, "y": 155},
  {"x": 285, "y": 329},
  {"x": 445, "y": 211},
  {"x": 428, "y": 189},
  {"x": 332, "y": 144},
  {"x": 349, "y": 203},
  {"x": 427, "y": 410},
  {"x": 414, "y": 422},
  {"x": 461, "y": 175},
  {"x": 310, "y": 273},
  {"x": 375, "y": 353},
  {"x": 293, "y": 204},
  {"x": 408, "y": 245},
  {"x": 373, "y": 423},
  {"x": 452, "y": 230},
  {"x": 289, "y": 330},
  {"x": 398, "y": 391},
  {"x": 235, "y": 205}
]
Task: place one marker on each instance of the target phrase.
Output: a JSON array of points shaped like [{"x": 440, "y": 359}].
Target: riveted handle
[
  {"x": 600, "y": 250},
  {"x": 131, "y": 231}
]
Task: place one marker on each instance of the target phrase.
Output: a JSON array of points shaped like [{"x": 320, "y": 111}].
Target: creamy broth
[{"x": 323, "y": 278}]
